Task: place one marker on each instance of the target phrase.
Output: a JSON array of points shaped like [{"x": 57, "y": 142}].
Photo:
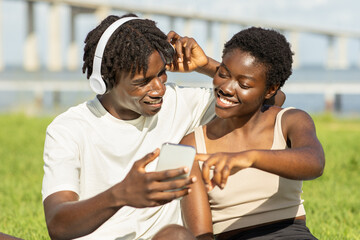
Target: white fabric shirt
[{"x": 87, "y": 151}]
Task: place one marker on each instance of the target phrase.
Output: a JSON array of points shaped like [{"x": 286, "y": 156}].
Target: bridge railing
[
  {"x": 332, "y": 92},
  {"x": 337, "y": 46},
  {"x": 337, "y": 39}
]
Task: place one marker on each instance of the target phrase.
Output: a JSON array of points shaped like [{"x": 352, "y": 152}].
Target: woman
[{"x": 254, "y": 156}]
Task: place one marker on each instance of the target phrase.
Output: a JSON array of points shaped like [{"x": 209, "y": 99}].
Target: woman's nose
[{"x": 228, "y": 87}]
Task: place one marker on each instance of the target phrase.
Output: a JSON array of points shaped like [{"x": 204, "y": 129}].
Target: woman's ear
[
  {"x": 271, "y": 91},
  {"x": 275, "y": 96}
]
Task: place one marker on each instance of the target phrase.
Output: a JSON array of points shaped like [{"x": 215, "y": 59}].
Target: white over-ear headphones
[{"x": 97, "y": 84}]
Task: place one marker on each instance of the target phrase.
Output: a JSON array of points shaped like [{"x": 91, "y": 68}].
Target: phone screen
[{"x": 174, "y": 156}]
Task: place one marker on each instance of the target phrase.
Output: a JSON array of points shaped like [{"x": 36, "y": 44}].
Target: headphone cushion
[{"x": 97, "y": 84}]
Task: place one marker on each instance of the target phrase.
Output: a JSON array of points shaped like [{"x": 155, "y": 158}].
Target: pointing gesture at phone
[{"x": 223, "y": 165}]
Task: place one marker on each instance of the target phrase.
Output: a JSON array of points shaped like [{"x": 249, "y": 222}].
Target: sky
[{"x": 326, "y": 14}]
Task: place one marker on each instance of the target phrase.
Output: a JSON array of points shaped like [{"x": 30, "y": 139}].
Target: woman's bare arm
[
  {"x": 305, "y": 159},
  {"x": 195, "y": 206}
]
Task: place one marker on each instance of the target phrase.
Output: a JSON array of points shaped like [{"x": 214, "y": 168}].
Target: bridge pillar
[
  {"x": 55, "y": 56},
  {"x": 172, "y": 23},
  {"x": 1, "y": 34},
  {"x": 333, "y": 101},
  {"x": 294, "y": 41},
  {"x": 337, "y": 53},
  {"x": 102, "y": 12},
  {"x": 209, "y": 39},
  {"x": 224, "y": 36},
  {"x": 343, "y": 58},
  {"x": 331, "y": 53},
  {"x": 358, "y": 56},
  {"x": 73, "y": 51},
  {"x": 31, "y": 58},
  {"x": 187, "y": 27}
]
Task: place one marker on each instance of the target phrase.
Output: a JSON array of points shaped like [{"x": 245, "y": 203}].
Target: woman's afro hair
[{"x": 269, "y": 47}]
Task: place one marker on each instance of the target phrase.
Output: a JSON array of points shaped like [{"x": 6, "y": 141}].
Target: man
[{"x": 99, "y": 180}]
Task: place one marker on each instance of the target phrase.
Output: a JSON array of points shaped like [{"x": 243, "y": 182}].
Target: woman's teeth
[{"x": 225, "y": 101}]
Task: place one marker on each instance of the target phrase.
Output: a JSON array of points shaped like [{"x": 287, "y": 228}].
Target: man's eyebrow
[
  {"x": 141, "y": 80},
  {"x": 146, "y": 79}
]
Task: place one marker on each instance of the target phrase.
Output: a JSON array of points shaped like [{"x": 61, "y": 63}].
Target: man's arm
[
  {"x": 190, "y": 56},
  {"x": 4, "y": 236},
  {"x": 68, "y": 218},
  {"x": 277, "y": 100}
]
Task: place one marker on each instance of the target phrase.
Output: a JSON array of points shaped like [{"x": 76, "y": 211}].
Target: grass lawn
[
  {"x": 21, "y": 147},
  {"x": 332, "y": 201}
]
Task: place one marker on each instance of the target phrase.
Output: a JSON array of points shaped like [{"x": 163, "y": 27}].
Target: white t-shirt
[{"x": 87, "y": 151}]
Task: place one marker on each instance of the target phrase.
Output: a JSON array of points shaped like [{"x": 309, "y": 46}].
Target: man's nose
[{"x": 157, "y": 87}]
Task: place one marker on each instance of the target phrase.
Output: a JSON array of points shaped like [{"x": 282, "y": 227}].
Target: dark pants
[{"x": 284, "y": 230}]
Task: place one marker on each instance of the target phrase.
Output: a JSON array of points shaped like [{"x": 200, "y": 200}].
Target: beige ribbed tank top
[{"x": 252, "y": 196}]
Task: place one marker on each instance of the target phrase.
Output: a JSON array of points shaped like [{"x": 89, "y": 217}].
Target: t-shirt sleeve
[
  {"x": 200, "y": 102},
  {"x": 61, "y": 161}
]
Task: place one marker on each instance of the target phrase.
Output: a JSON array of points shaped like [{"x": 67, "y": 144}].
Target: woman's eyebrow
[
  {"x": 224, "y": 66},
  {"x": 241, "y": 75}
]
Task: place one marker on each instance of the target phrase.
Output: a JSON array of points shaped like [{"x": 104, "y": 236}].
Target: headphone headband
[{"x": 97, "y": 84}]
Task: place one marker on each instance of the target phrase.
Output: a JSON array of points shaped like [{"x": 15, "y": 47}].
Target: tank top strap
[
  {"x": 200, "y": 140},
  {"x": 279, "y": 141}
]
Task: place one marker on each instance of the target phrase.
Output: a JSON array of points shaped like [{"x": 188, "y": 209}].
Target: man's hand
[{"x": 148, "y": 189}]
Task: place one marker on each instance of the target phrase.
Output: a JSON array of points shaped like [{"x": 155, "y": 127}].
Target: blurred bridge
[{"x": 336, "y": 52}]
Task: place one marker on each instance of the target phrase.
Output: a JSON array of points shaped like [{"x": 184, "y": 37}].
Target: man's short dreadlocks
[{"x": 127, "y": 50}]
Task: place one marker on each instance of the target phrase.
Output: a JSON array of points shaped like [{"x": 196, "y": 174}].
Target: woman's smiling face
[{"x": 239, "y": 85}]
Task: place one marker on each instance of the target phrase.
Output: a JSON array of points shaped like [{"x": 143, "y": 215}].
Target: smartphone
[{"x": 174, "y": 156}]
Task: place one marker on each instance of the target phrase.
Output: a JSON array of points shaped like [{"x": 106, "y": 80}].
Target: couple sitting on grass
[{"x": 99, "y": 180}]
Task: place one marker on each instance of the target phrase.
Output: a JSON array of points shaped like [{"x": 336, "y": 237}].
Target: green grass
[
  {"x": 332, "y": 201},
  {"x": 21, "y": 171}
]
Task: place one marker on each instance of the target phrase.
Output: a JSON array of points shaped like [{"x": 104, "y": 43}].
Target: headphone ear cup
[{"x": 97, "y": 84}]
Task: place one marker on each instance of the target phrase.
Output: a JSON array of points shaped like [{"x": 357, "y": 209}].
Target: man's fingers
[
  {"x": 164, "y": 192},
  {"x": 172, "y": 37},
  {"x": 188, "y": 50},
  {"x": 179, "y": 51},
  {"x": 172, "y": 185},
  {"x": 168, "y": 196},
  {"x": 167, "y": 174},
  {"x": 148, "y": 158}
]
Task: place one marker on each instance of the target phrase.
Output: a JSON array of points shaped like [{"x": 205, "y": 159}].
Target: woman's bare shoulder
[{"x": 189, "y": 139}]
